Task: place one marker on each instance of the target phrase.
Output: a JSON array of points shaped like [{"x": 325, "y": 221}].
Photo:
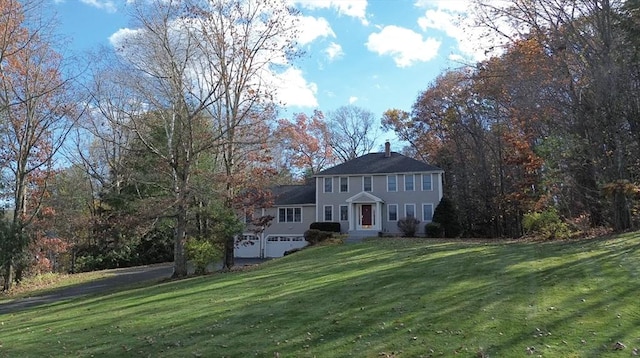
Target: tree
[
  {"x": 37, "y": 114},
  {"x": 199, "y": 71},
  {"x": 166, "y": 69},
  {"x": 422, "y": 142},
  {"x": 306, "y": 142},
  {"x": 353, "y": 132},
  {"x": 589, "y": 42},
  {"x": 247, "y": 40},
  {"x": 446, "y": 215}
]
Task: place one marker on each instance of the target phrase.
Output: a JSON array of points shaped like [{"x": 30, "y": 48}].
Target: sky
[{"x": 374, "y": 54}]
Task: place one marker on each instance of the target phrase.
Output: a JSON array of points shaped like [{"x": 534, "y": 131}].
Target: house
[{"x": 366, "y": 195}]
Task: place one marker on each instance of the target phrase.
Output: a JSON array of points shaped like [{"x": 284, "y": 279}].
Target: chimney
[{"x": 387, "y": 149}]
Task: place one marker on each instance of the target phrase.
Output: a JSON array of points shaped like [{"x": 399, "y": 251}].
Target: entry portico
[{"x": 365, "y": 209}]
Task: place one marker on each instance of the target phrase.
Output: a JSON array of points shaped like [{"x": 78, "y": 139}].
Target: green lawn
[{"x": 382, "y": 298}]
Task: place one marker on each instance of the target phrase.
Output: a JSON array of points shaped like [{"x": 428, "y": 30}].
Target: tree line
[
  {"x": 156, "y": 145},
  {"x": 549, "y": 124}
]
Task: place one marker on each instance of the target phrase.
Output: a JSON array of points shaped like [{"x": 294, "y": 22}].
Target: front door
[{"x": 366, "y": 215}]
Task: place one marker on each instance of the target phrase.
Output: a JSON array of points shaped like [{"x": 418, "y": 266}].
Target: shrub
[
  {"x": 201, "y": 252},
  {"x": 546, "y": 224},
  {"x": 408, "y": 226},
  {"x": 433, "y": 229},
  {"x": 325, "y": 226},
  {"x": 447, "y": 216},
  {"x": 314, "y": 236}
]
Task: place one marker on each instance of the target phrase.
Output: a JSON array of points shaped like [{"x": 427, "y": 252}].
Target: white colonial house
[{"x": 366, "y": 195}]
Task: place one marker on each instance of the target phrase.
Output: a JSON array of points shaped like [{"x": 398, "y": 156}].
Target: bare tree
[
  {"x": 248, "y": 40},
  {"x": 354, "y": 132},
  {"x": 201, "y": 74},
  {"x": 36, "y": 112},
  {"x": 166, "y": 70}
]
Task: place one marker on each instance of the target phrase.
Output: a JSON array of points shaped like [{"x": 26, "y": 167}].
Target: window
[
  {"x": 426, "y": 182},
  {"x": 393, "y": 212},
  {"x": 366, "y": 184},
  {"x": 290, "y": 215},
  {"x": 344, "y": 213},
  {"x": 328, "y": 185},
  {"x": 328, "y": 213},
  {"x": 246, "y": 238},
  {"x": 344, "y": 185},
  {"x": 410, "y": 210},
  {"x": 392, "y": 183},
  {"x": 408, "y": 182},
  {"x": 427, "y": 212}
]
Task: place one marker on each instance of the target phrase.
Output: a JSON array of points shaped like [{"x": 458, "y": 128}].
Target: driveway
[{"x": 121, "y": 277}]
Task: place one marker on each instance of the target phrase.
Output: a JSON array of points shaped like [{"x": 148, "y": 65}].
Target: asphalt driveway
[{"x": 121, "y": 277}]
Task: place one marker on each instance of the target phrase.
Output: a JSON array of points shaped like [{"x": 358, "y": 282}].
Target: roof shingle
[
  {"x": 378, "y": 163},
  {"x": 294, "y": 194}
]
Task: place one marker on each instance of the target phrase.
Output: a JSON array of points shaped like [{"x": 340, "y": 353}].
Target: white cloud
[
  {"x": 353, "y": 99},
  {"x": 405, "y": 46},
  {"x": 456, "y": 6},
  {"x": 353, "y": 8},
  {"x": 312, "y": 28},
  {"x": 294, "y": 90},
  {"x": 334, "y": 51},
  {"x": 118, "y": 37},
  {"x": 106, "y": 5},
  {"x": 457, "y": 20}
]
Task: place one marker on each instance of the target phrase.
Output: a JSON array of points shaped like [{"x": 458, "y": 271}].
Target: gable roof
[
  {"x": 378, "y": 163},
  {"x": 294, "y": 194}
]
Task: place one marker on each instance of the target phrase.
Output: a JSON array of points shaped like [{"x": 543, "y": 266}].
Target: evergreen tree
[{"x": 447, "y": 216}]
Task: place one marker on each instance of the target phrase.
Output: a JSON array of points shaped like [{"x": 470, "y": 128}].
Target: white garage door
[
  {"x": 277, "y": 245},
  {"x": 247, "y": 246}
]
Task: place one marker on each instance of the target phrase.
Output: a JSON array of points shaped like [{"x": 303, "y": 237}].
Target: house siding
[
  {"x": 290, "y": 228},
  {"x": 367, "y": 212},
  {"x": 418, "y": 197}
]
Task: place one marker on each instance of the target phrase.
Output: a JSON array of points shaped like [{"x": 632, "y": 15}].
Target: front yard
[{"x": 379, "y": 298}]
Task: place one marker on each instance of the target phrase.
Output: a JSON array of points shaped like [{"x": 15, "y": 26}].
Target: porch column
[{"x": 352, "y": 216}]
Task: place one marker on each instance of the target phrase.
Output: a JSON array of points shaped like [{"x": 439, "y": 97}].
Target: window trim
[
  {"x": 347, "y": 184},
  {"x": 328, "y": 180},
  {"x": 324, "y": 213},
  {"x": 293, "y": 213},
  {"x": 405, "y": 210},
  {"x": 430, "y": 182},
  {"x": 389, "y": 212},
  {"x": 424, "y": 211},
  {"x": 370, "y": 183},
  {"x": 413, "y": 182},
  {"x": 395, "y": 189},
  {"x": 346, "y": 213}
]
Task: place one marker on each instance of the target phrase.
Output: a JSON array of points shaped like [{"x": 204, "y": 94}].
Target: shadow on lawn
[{"x": 380, "y": 297}]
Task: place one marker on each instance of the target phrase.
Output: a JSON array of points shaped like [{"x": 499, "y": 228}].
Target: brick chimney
[{"x": 387, "y": 149}]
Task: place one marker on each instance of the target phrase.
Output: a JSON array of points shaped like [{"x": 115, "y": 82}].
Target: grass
[{"x": 382, "y": 298}]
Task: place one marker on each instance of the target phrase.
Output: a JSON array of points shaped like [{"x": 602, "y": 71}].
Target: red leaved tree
[{"x": 307, "y": 143}]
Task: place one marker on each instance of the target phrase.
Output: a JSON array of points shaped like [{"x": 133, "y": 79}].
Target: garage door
[
  {"x": 247, "y": 246},
  {"x": 277, "y": 245}
]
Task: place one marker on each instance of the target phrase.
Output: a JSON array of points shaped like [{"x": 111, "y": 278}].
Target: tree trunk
[
  {"x": 621, "y": 211},
  {"x": 8, "y": 275},
  {"x": 179, "y": 257},
  {"x": 229, "y": 246}
]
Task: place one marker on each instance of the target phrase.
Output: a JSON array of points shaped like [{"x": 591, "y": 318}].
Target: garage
[
  {"x": 276, "y": 245},
  {"x": 247, "y": 246}
]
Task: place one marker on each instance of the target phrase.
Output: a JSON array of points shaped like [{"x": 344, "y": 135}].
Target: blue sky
[{"x": 375, "y": 54}]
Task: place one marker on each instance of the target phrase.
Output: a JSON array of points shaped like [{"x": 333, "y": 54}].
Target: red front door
[{"x": 366, "y": 215}]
